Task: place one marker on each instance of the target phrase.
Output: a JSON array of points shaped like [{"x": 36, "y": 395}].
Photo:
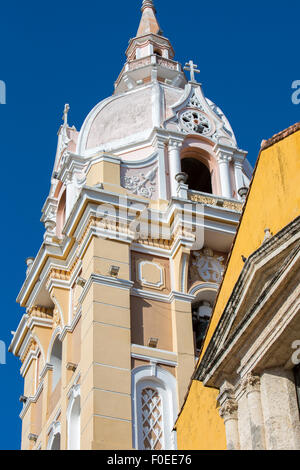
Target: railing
[
  {"x": 216, "y": 201},
  {"x": 154, "y": 59}
]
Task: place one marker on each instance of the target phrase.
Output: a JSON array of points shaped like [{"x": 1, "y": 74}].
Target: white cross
[{"x": 192, "y": 68}]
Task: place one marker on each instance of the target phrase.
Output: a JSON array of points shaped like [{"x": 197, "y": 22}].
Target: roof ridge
[{"x": 280, "y": 136}]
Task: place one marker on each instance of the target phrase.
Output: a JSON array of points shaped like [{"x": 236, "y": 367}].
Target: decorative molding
[
  {"x": 147, "y": 283},
  {"x": 144, "y": 185},
  {"x": 229, "y": 410},
  {"x": 251, "y": 383}
]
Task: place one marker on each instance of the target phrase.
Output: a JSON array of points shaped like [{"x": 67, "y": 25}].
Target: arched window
[
  {"x": 154, "y": 408},
  {"x": 54, "y": 437},
  {"x": 73, "y": 419},
  {"x": 199, "y": 177},
  {"x": 56, "y": 443},
  {"x": 201, "y": 317},
  {"x": 202, "y": 308},
  {"x": 55, "y": 360}
]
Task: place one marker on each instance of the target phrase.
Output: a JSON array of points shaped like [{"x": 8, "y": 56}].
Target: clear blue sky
[{"x": 60, "y": 52}]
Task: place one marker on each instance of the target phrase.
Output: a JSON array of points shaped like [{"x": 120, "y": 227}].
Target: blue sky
[{"x": 60, "y": 52}]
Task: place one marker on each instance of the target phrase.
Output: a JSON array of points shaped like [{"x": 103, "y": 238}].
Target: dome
[{"x": 117, "y": 120}]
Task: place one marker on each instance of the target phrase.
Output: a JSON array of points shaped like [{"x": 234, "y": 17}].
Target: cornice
[
  {"x": 123, "y": 284},
  {"x": 31, "y": 400},
  {"x": 216, "y": 218}
]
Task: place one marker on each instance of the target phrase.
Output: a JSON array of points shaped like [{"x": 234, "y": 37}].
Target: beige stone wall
[
  {"x": 105, "y": 363},
  {"x": 151, "y": 319}
]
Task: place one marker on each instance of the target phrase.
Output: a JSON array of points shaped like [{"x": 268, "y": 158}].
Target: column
[
  {"x": 229, "y": 413},
  {"x": 238, "y": 170},
  {"x": 252, "y": 387},
  {"x": 224, "y": 156},
  {"x": 70, "y": 193},
  {"x": 174, "y": 148},
  {"x": 160, "y": 144},
  {"x": 280, "y": 410}
]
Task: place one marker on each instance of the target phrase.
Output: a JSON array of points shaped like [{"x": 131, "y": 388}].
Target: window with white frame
[
  {"x": 54, "y": 436},
  {"x": 73, "y": 418},
  {"x": 154, "y": 408},
  {"x": 56, "y": 360}
]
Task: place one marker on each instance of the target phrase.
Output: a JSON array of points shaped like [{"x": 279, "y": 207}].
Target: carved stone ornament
[
  {"x": 196, "y": 122},
  {"x": 209, "y": 267},
  {"x": 251, "y": 382},
  {"x": 229, "y": 409},
  {"x": 141, "y": 184},
  {"x": 56, "y": 318}
]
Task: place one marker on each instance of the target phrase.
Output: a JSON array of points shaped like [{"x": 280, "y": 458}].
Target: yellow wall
[
  {"x": 200, "y": 413},
  {"x": 273, "y": 202}
]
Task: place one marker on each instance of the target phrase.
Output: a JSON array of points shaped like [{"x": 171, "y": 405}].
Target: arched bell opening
[
  {"x": 202, "y": 308},
  {"x": 199, "y": 177},
  {"x": 158, "y": 52}
]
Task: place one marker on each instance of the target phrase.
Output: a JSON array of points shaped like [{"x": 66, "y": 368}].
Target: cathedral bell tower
[{"x": 143, "y": 206}]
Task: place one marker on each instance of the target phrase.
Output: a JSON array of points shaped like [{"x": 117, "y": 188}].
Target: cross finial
[
  {"x": 192, "y": 68},
  {"x": 65, "y": 115}
]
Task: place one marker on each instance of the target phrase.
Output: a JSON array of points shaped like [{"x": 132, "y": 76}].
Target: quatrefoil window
[{"x": 196, "y": 122}]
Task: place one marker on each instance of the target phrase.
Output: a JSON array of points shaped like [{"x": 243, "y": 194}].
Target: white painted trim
[
  {"x": 73, "y": 395},
  {"x": 30, "y": 400},
  {"x": 157, "y": 377},
  {"x": 204, "y": 286},
  {"x": 144, "y": 281},
  {"x": 157, "y": 360},
  {"x": 118, "y": 283},
  {"x": 55, "y": 429}
]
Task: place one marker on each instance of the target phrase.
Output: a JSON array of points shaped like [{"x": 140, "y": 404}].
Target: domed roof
[{"x": 119, "y": 117}]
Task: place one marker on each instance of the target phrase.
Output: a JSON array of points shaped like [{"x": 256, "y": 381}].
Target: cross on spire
[{"x": 192, "y": 68}]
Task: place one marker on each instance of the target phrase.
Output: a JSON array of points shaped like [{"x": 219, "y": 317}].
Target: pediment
[
  {"x": 263, "y": 278},
  {"x": 195, "y": 114}
]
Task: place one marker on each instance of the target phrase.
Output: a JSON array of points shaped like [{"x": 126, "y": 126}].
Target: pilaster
[
  {"x": 229, "y": 412},
  {"x": 106, "y": 349},
  {"x": 251, "y": 384},
  {"x": 224, "y": 156}
]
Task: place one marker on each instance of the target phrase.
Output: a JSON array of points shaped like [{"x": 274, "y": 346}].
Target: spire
[{"x": 149, "y": 23}]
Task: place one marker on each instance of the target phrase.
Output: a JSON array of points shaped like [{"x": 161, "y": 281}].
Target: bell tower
[{"x": 143, "y": 206}]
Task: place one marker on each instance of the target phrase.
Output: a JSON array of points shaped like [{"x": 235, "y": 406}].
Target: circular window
[{"x": 196, "y": 122}]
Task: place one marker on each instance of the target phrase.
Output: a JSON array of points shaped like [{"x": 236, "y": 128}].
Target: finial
[
  {"x": 65, "y": 115},
  {"x": 192, "y": 68},
  {"x": 148, "y": 4},
  {"x": 149, "y": 23}
]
